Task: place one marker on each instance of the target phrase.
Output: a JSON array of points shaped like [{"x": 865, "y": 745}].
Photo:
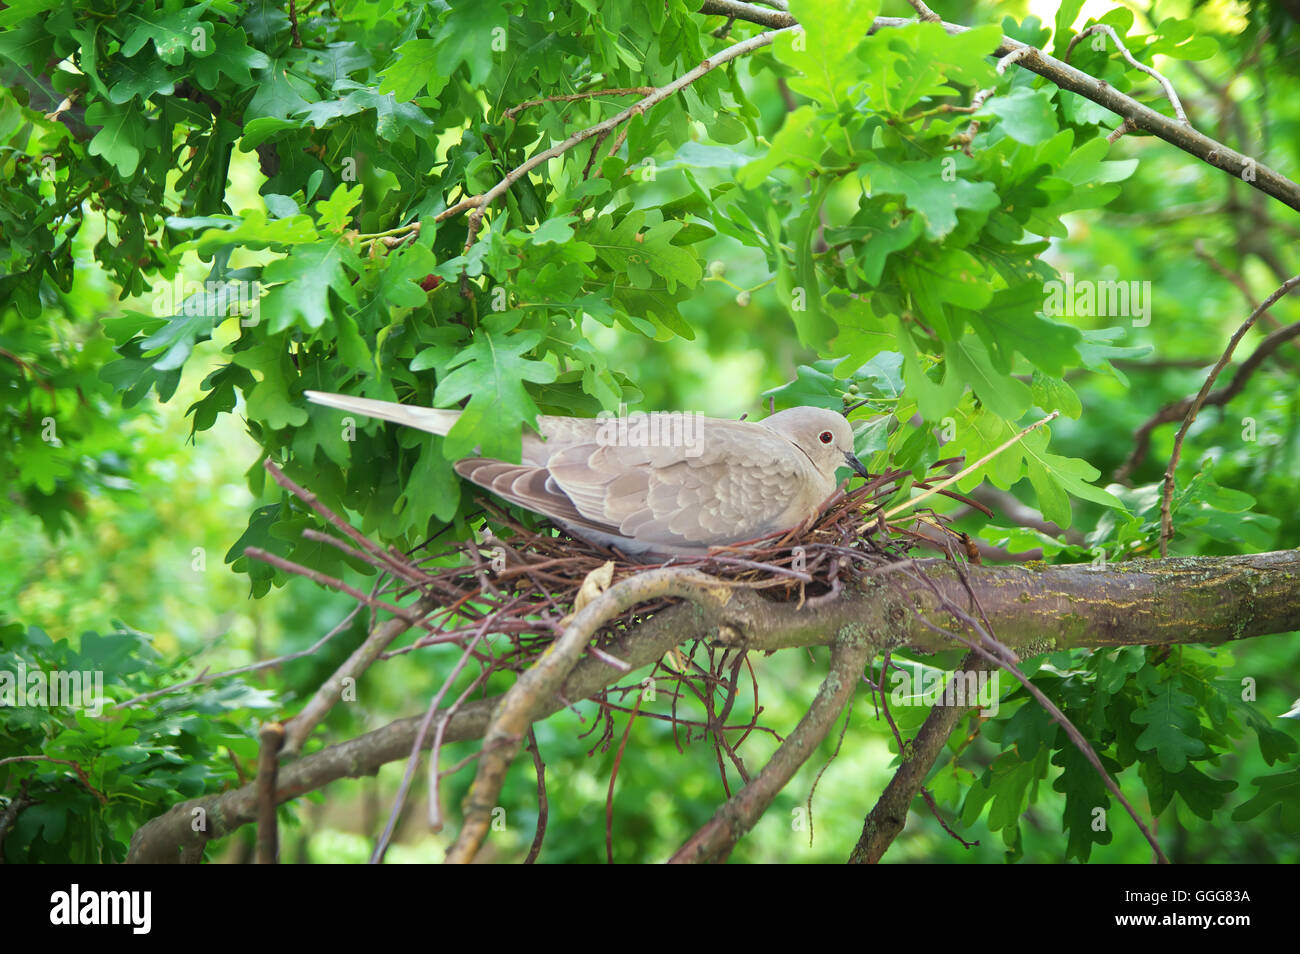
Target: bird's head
[{"x": 824, "y": 435}]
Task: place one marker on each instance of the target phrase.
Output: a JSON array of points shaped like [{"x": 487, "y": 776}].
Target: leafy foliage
[{"x": 892, "y": 241}]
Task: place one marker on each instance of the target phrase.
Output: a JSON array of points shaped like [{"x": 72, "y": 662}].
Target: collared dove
[{"x": 656, "y": 484}]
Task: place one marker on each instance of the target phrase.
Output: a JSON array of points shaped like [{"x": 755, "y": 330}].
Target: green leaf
[
  {"x": 1010, "y": 323},
  {"x": 1000, "y": 392},
  {"x": 307, "y": 273},
  {"x": 932, "y": 188},
  {"x": 173, "y": 33},
  {"x": 119, "y": 141},
  {"x": 1281, "y": 790},
  {"x": 1172, "y": 730},
  {"x": 416, "y": 66},
  {"x": 822, "y": 49},
  {"x": 1024, "y": 114},
  {"x": 491, "y": 372}
]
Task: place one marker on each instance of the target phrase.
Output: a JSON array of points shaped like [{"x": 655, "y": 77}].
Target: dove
[{"x": 662, "y": 484}]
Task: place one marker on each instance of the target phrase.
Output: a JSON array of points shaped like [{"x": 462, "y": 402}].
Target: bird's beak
[{"x": 852, "y": 460}]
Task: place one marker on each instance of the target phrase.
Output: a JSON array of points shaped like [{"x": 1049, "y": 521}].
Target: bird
[{"x": 661, "y": 484}]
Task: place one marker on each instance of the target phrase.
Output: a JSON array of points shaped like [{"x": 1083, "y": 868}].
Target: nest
[
  {"x": 522, "y": 582},
  {"x": 503, "y": 599}
]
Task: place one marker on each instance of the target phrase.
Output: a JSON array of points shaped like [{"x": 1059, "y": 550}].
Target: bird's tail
[{"x": 429, "y": 419}]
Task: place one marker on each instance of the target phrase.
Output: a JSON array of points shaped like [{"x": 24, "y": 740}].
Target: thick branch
[{"x": 1034, "y": 610}]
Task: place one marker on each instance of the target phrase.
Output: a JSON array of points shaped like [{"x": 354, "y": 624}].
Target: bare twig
[
  {"x": 411, "y": 615},
  {"x": 613, "y": 777},
  {"x": 924, "y": 12},
  {"x": 1177, "y": 410},
  {"x": 1116, "y": 134},
  {"x": 812, "y": 789},
  {"x": 1166, "y": 517},
  {"x": 602, "y": 128},
  {"x": 543, "y": 806},
  {"x": 514, "y": 111},
  {"x": 11, "y": 813},
  {"x": 381, "y": 846},
  {"x": 205, "y": 677},
  {"x": 1174, "y": 101},
  {"x": 1173, "y": 131},
  {"x": 75, "y": 766},
  {"x": 268, "y": 765}
]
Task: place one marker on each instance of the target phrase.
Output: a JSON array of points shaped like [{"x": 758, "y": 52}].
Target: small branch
[
  {"x": 850, "y": 653},
  {"x": 1119, "y": 45},
  {"x": 812, "y": 789},
  {"x": 206, "y": 677},
  {"x": 11, "y": 813},
  {"x": 293, "y": 24},
  {"x": 613, "y": 777},
  {"x": 543, "y": 806},
  {"x": 1166, "y": 502},
  {"x": 300, "y": 726},
  {"x": 396, "y": 567},
  {"x": 418, "y": 746},
  {"x": 924, "y": 12},
  {"x": 514, "y": 111},
  {"x": 411, "y": 615},
  {"x": 1116, "y": 134},
  {"x": 603, "y": 128},
  {"x": 1015, "y": 56},
  {"x": 470, "y": 202},
  {"x": 268, "y": 765},
  {"x": 1176, "y": 410},
  {"x": 75, "y": 766}
]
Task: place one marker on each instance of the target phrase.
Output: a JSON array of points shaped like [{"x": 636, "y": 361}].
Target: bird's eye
[{"x": 826, "y": 437}]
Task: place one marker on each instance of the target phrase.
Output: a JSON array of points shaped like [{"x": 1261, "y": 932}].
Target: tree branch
[
  {"x": 1067, "y": 77},
  {"x": 1166, "y": 501},
  {"x": 603, "y": 128},
  {"x": 1034, "y": 610},
  {"x": 1176, "y": 410},
  {"x": 851, "y": 650},
  {"x": 1174, "y": 101},
  {"x": 519, "y": 706}
]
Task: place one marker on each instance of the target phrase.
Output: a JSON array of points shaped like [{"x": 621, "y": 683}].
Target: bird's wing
[
  {"x": 736, "y": 483},
  {"x": 531, "y": 487}
]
